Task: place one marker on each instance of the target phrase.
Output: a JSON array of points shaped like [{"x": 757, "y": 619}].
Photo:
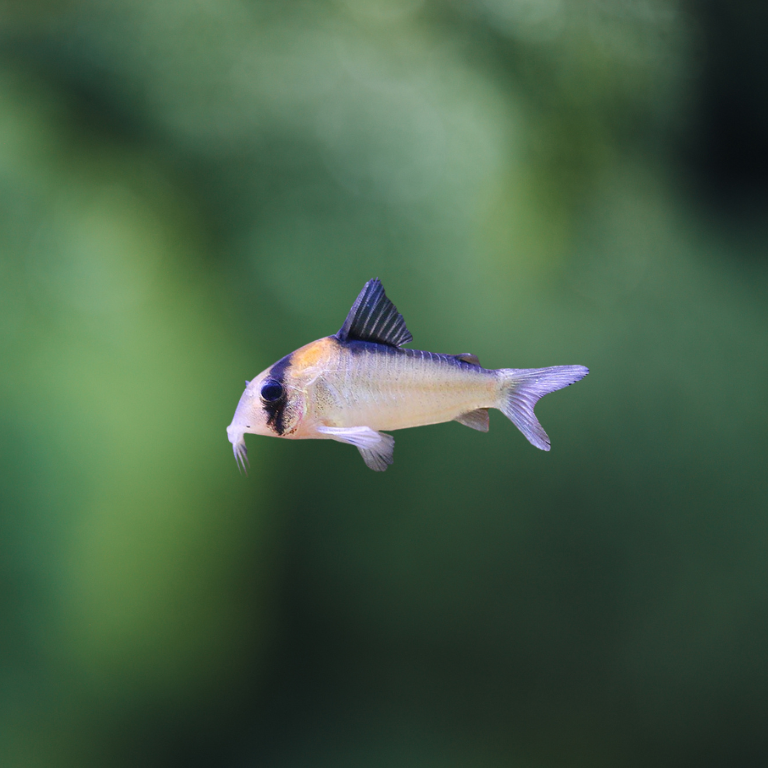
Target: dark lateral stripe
[
  {"x": 369, "y": 347},
  {"x": 276, "y": 411}
]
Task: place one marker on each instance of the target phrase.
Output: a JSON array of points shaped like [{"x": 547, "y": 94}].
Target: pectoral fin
[
  {"x": 376, "y": 448},
  {"x": 475, "y": 419}
]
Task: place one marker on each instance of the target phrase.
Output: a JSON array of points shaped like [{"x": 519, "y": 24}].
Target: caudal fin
[{"x": 523, "y": 388}]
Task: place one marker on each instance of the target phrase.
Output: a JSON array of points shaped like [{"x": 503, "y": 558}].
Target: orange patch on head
[{"x": 313, "y": 353}]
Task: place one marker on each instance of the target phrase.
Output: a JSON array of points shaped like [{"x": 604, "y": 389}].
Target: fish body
[
  {"x": 389, "y": 388},
  {"x": 350, "y": 386}
]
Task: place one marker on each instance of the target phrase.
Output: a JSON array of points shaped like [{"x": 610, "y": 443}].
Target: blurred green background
[{"x": 191, "y": 189}]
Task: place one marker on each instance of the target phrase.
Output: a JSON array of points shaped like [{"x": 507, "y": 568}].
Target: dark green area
[{"x": 190, "y": 190}]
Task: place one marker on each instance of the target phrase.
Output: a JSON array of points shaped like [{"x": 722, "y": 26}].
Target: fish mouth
[{"x": 236, "y": 437}]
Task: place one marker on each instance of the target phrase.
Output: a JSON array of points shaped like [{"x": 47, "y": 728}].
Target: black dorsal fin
[
  {"x": 468, "y": 357},
  {"x": 375, "y": 318}
]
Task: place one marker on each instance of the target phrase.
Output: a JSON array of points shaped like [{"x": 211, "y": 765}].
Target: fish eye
[{"x": 271, "y": 391}]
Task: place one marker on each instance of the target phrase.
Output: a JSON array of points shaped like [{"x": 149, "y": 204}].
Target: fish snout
[{"x": 235, "y": 433}]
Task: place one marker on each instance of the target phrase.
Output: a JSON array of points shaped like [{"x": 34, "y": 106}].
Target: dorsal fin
[
  {"x": 468, "y": 357},
  {"x": 375, "y": 318}
]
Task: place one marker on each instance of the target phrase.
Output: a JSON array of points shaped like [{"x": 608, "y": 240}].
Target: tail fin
[{"x": 523, "y": 388}]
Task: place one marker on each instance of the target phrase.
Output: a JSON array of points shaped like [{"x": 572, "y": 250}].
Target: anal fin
[{"x": 475, "y": 419}]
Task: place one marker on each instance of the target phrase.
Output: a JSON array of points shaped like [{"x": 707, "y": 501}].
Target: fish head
[{"x": 272, "y": 405}]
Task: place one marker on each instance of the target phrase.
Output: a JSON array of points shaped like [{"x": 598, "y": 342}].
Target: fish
[{"x": 361, "y": 382}]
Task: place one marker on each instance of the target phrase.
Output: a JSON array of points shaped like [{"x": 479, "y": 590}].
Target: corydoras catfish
[{"x": 351, "y": 385}]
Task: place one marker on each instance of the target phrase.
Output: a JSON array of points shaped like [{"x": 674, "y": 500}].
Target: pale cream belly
[{"x": 390, "y": 393}]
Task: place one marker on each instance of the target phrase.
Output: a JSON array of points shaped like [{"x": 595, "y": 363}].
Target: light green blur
[{"x": 191, "y": 190}]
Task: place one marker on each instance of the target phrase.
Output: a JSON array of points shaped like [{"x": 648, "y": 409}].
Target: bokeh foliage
[{"x": 189, "y": 190}]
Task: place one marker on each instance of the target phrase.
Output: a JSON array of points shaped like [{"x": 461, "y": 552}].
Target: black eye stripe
[
  {"x": 271, "y": 391},
  {"x": 275, "y": 409}
]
